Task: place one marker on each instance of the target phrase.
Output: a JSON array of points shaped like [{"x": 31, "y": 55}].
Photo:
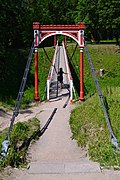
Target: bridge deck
[{"x": 55, "y": 91}]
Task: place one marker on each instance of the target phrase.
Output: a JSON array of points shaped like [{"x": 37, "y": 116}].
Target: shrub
[{"x": 19, "y": 142}]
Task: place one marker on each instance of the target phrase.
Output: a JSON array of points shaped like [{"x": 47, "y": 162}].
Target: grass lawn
[{"x": 105, "y": 57}]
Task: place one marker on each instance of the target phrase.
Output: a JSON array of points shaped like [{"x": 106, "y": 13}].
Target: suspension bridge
[{"x": 61, "y": 98}]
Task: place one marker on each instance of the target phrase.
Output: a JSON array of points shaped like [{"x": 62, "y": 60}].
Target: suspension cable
[
  {"x": 112, "y": 136},
  {"x": 6, "y": 142},
  {"x": 74, "y": 51},
  {"x": 49, "y": 59}
]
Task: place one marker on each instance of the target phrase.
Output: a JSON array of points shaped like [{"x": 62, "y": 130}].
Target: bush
[{"x": 19, "y": 141}]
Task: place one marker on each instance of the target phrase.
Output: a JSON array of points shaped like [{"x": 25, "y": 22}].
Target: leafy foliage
[
  {"x": 11, "y": 72},
  {"x": 102, "y": 18},
  {"x": 22, "y": 131}
]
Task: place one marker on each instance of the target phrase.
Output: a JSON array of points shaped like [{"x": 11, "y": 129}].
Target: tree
[
  {"x": 88, "y": 13},
  {"x": 109, "y": 18},
  {"x": 60, "y": 15},
  {"x": 102, "y": 18}
]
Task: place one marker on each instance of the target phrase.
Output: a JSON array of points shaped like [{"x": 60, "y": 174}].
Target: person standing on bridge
[{"x": 60, "y": 77}]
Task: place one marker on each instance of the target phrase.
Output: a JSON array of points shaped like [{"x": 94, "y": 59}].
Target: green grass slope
[
  {"x": 90, "y": 130},
  {"x": 105, "y": 57},
  {"x": 87, "y": 121}
]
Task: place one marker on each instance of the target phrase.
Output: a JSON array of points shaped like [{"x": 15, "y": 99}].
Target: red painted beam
[
  {"x": 79, "y": 26},
  {"x": 36, "y": 25}
]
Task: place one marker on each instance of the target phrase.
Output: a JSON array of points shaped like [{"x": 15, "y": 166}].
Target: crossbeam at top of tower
[{"x": 38, "y": 26}]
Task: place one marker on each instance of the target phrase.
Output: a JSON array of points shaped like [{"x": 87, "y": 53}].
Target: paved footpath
[{"x": 55, "y": 156}]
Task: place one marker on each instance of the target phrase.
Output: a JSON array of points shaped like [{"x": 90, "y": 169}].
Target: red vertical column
[
  {"x": 81, "y": 76},
  {"x": 36, "y": 27},
  {"x": 36, "y": 94}
]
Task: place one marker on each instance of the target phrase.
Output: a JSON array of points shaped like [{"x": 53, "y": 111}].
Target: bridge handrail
[
  {"x": 52, "y": 68},
  {"x": 67, "y": 63},
  {"x": 68, "y": 71}
]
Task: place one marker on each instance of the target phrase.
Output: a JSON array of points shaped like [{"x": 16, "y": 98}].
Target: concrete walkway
[{"x": 55, "y": 156}]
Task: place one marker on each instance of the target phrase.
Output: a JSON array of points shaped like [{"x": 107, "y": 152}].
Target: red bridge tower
[{"x": 76, "y": 32}]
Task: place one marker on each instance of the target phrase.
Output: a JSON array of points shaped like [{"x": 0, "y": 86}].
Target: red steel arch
[
  {"x": 74, "y": 31},
  {"x": 41, "y": 32}
]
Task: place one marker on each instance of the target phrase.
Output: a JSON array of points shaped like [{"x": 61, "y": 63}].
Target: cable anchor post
[
  {"x": 36, "y": 45},
  {"x": 81, "y": 43}
]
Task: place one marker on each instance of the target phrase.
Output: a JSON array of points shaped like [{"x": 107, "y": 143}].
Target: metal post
[
  {"x": 71, "y": 88},
  {"x": 48, "y": 88},
  {"x": 36, "y": 44},
  {"x": 36, "y": 94},
  {"x": 81, "y": 76}
]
